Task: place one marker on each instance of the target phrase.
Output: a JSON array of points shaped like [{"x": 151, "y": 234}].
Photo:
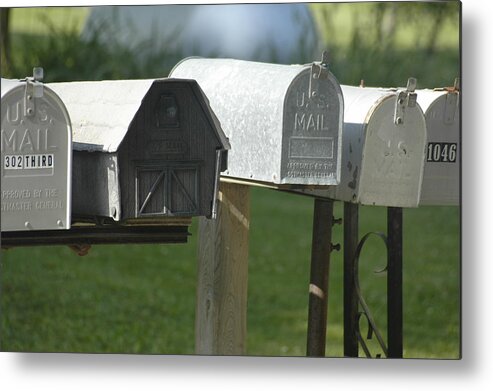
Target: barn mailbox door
[
  {"x": 166, "y": 190},
  {"x": 36, "y": 144}
]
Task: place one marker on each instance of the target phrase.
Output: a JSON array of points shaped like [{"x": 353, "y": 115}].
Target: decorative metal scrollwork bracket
[{"x": 372, "y": 326}]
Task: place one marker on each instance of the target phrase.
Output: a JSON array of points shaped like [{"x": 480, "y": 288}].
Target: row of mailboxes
[
  {"x": 146, "y": 149},
  {"x": 132, "y": 151},
  {"x": 295, "y": 125},
  {"x": 400, "y": 147}
]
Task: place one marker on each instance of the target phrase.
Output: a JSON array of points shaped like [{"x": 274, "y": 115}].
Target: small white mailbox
[
  {"x": 441, "y": 183},
  {"x": 383, "y": 148},
  {"x": 36, "y": 143},
  {"x": 284, "y": 122}
]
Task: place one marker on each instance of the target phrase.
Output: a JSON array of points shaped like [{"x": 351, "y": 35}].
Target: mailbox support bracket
[
  {"x": 85, "y": 235},
  {"x": 353, "y": 298}
]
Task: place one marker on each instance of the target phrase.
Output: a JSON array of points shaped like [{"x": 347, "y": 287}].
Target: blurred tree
[
  {"x": 375, "y": 41},
  {"x": 4, "y": 38}
]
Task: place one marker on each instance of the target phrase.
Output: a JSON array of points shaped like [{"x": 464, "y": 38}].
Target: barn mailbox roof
[{"x": 102, "y": 111}]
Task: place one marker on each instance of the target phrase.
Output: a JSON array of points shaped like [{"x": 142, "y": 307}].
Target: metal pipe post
[
  {"x": 394, "y": 282},
  {"x": 319, "y": 277},
  {"x": 350, "y": 297}
]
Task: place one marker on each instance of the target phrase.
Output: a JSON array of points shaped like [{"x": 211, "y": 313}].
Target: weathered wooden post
[{"x": 221, "y": 308}]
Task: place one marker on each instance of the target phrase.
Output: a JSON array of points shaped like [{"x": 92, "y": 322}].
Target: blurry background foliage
[
  {"x": 141, "y": 298},
  {"x": 383, "y": 43}
]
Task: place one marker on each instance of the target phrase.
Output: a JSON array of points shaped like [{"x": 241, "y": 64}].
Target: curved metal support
[{"x": 372, "y": 327}]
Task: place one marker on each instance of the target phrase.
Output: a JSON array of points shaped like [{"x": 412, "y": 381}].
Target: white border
[{"x": 473, "y": 372}]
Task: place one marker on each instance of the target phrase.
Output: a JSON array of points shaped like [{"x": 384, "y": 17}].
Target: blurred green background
[{"x": 141, "y": 298}]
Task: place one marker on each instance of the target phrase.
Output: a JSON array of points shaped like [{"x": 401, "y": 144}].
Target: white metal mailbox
[
  {"x": 284, "y": 122},
  {"x": 441, "y": 183},
  {"x": 36, "y": 157},
  {"x": 383, "y": 148}
]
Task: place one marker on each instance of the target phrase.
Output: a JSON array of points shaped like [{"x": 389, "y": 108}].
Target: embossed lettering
[
  {"x": 14, "y": 206},
  {"x": 310, "y": 122},
  {"x": 300, "y": 99},
  {"x": 14, "y": 113},
  {"x": 26, "y": 143},
  {"x": 31, "y": 141},
  {"x": 9, "y": 142}
]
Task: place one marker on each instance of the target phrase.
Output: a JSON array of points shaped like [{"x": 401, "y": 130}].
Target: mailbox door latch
[
  {"x": 405, "y": 98},
  {"x": 450, "y": 107},
  {"x": 319, "y": 71},
  {"x": 451, "y": 102},
  {"x": 34, "y": 89}
]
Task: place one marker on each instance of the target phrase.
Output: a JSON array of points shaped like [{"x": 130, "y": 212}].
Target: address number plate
[
  {"x": 441, "y": 152},
  {"x": 28, "y": 162}
]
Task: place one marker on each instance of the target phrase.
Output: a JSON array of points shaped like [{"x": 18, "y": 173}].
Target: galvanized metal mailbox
[
  {"x": 284, "y": 122},
  {"x": 383, "y": 149},
  {"x": 143, "y": 149},
  {"x": 441, "y": 183},
  {"x": 36, "y": 157}
]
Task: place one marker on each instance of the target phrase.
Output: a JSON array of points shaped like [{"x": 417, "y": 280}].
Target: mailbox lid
[
  {"x": 441, "y": 177},
  {"x": 36, "y": 158},
  {"x": 251, "y": 100}
]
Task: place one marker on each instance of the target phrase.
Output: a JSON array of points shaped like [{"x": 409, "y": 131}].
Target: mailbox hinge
[
  {"x": 319, "y": 71},
  {"x": 34, "y": 89},
  {"x": 405, "y": 98}
]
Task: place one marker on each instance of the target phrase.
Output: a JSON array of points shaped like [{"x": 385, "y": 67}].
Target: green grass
[{"x": 141, "y": 298}]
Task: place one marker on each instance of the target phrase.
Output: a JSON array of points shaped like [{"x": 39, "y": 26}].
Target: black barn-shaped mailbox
[{"x": 143, "y": 149}]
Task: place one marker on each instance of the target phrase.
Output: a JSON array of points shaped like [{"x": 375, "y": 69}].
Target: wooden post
[
  {"x": 319, "y": 277},
  {"x": 221, "y": 308}
]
